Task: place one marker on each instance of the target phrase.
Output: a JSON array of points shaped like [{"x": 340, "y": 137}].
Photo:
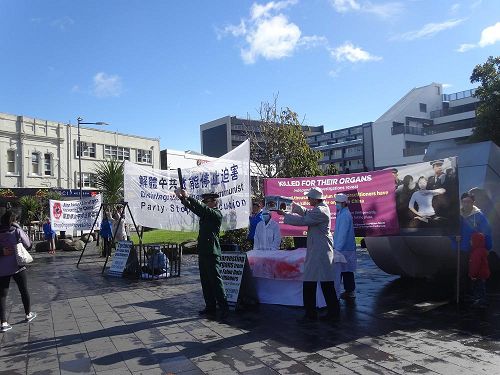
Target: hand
[{"x": 180, "y": 193}]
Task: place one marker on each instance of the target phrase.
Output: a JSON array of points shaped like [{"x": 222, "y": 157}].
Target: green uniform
[{"x": 209, "y": 252}]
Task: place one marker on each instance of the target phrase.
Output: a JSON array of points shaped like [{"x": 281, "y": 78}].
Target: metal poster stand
[{"x": 103, "y": 207}]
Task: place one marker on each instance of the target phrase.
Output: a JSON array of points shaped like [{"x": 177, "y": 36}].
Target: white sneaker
[
  {"x": 30, "y": 316},
  {"x": 5, "y": 327}
]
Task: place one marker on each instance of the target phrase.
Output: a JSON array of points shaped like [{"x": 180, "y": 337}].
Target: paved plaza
[{"x": 90, "y": 324}]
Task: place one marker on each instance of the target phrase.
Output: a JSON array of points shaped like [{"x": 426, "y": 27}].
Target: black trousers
[
  {"x": 22, "y": 283},
  {"x": 348, "y": 280},
  {"x": 309, "y": 296}
]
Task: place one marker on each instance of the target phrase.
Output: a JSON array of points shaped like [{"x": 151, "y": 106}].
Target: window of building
[
  {"x": 11, "y": 161},
  {"x": 35, "y": 163},
  {"x": 423, "y": 107},
  {"x": 144, "y": 156},
  {"x": 88, "y": 149},
  {"x": 88, "y": 180},
  {"x": 117, "y": 153},
  {"x": 47, "y": 164}
]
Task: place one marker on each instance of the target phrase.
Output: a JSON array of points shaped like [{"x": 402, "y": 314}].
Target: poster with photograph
[{"x": 427, "y": 200}]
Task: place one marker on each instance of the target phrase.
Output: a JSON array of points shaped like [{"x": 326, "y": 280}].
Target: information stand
[
  {"x": 120, "y": 257},
  {"x": 232, "y": 265}
]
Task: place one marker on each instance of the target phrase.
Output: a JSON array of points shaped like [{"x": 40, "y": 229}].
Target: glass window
[
  {"x": 88, "y": 149},
  {"x": 117, "y": 153},
  {"x": 423, "y": 107},
  {"x": 47, "y": 164},
  {"x": 11, "y": 161},
  {"x": 144, "y": 156},
  {"x": 88, "y": 180},
  {"x": 35, "y": 167}
]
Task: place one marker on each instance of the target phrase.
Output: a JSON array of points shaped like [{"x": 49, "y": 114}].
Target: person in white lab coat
[{"x": 267, "y": 234}]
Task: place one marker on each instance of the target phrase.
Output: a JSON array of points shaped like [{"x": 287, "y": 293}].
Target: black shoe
[
  {"x": 348, "y": 296},
  {"x": 307, "y": 319},
  {"x": 207, "y": 311}
]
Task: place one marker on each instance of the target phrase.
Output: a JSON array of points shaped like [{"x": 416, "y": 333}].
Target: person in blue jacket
[
  {"x": 472, "y": 220},
  {"x": 254, "y": 219},
  {"x": 50, "y": 235},
  {"x": 345, "y": 242},
  {"x": 106, "y": 232}
]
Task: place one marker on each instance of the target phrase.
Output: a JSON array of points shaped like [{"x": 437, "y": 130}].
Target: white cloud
[
  {"x": 428, "y": 30},
  {"x": 465, "y": 47},
  {"x": 75, "y": 88},
  {"x": 259, "y": 11},
  {"x": 343, "y": 6},
  {"x": 349, "y": 52},
  {"x": 62, "y": 23},
  {"x": 490, "y": 35},
  {"x": 272, "y": 39},
  {"x": 384, "y": 10},
  {"x": 269, "y": 34},
  {"x": 447, "y": 85},
  {"x": 107, "y": 85}
]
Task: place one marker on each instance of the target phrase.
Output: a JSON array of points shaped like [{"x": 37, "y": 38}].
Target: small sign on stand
[
  {"x": 120, "y": 257},
  {"x": 232, "y": 266}
]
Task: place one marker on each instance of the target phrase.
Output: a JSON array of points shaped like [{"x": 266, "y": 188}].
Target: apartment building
[
  {"x": 220, "y": 136},
  {"x": 44, "y": 154},
  {"x": 349, "y": 150}
]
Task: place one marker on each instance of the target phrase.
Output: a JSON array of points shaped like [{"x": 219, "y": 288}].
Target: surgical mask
[
  {"x": 266, "y": 217},
  {"x": 339, "y": 206}
]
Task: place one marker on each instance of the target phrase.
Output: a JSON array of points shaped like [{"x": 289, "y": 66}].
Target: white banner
[
  {"x": 151, "y": 199},
  {"x": 75, "y": 214},
  {"x": 231, "y": 269},
  {"x": 120, "y": 257}
]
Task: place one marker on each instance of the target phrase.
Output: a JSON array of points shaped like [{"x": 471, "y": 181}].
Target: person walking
[
  {"x": 50, "y": 235},
  {"x": 209, "y": 250},
  {"x": 319, "y": 262},
  {"x": 345, "y": 242},
  {"x": 10, "y": 235}
]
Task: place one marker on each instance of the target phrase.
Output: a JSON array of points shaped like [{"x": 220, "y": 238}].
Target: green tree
[
  {"x": 488, "y": 92},
  {"x": 31, "y": 208},
  {"x": 278, "y": 145},
  {"x": 109, "y": 180},
  {"x": 331, "y": 170}
]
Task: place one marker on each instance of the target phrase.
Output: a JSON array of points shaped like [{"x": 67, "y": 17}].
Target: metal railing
[{"x": 458, "y": 95}]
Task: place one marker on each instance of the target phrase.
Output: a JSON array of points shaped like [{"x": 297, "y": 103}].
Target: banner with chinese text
[
  {"x": 151, "y": 199},
  {"x": 75, "y": 214}
]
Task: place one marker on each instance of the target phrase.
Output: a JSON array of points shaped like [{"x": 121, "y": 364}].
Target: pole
[
  {"x": 458, "y": 239},
  {"x": 79, "y": 119}
]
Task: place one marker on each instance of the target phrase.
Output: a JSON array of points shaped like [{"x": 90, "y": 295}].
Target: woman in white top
[
  {"x": 424, "y": 214},
  {"x": 267, "y": 234}
]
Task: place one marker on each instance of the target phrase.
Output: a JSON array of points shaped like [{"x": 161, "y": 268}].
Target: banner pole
[
  {"x": 458, "y": 269},
  {"x": 87, "y": 241},
  {"x": 179, "y": 175}
]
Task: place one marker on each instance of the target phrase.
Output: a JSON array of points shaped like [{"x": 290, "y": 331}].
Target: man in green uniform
[{"x": 208, "y": 250}]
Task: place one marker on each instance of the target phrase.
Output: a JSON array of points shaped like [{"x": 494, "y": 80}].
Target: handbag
[{"x": 23, "y": 257}]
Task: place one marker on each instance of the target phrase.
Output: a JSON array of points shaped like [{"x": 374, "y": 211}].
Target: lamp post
[{"x": 80, "y": 122}]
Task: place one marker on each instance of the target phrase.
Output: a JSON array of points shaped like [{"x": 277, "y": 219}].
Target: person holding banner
[
  {"x": 345, "y": 242},
  {"x": 319, "y": 264},
  {"x": 209, "y": 250},
  {"x": 267, "y": 234}
]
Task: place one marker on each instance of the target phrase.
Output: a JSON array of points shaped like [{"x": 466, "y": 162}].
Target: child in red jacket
[{"x": 479, "y": 270}]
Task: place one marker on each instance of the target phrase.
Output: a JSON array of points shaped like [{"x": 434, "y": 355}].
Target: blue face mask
[
  {"x": 339, "y": 206},
  {"x": 266, "y": 217}
]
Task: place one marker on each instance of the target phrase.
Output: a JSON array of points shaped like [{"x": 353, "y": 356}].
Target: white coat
[
  {"x": 267, "y": 236},
  {"x": 319, "y": 265}
]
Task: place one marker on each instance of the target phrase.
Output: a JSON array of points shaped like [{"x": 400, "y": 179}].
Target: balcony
[
  {"x": 414, "y": 151},
  {"x": 453, "y": 110},
  {"x": 458, "y": 95}
]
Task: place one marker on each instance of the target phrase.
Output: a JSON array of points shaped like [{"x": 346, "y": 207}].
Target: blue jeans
[{"x": 479, "y": 290}]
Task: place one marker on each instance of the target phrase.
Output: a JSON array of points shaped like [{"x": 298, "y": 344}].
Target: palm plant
[
  {"x": 31, "y": 208},
  {"x": 109, "y": 180}
]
